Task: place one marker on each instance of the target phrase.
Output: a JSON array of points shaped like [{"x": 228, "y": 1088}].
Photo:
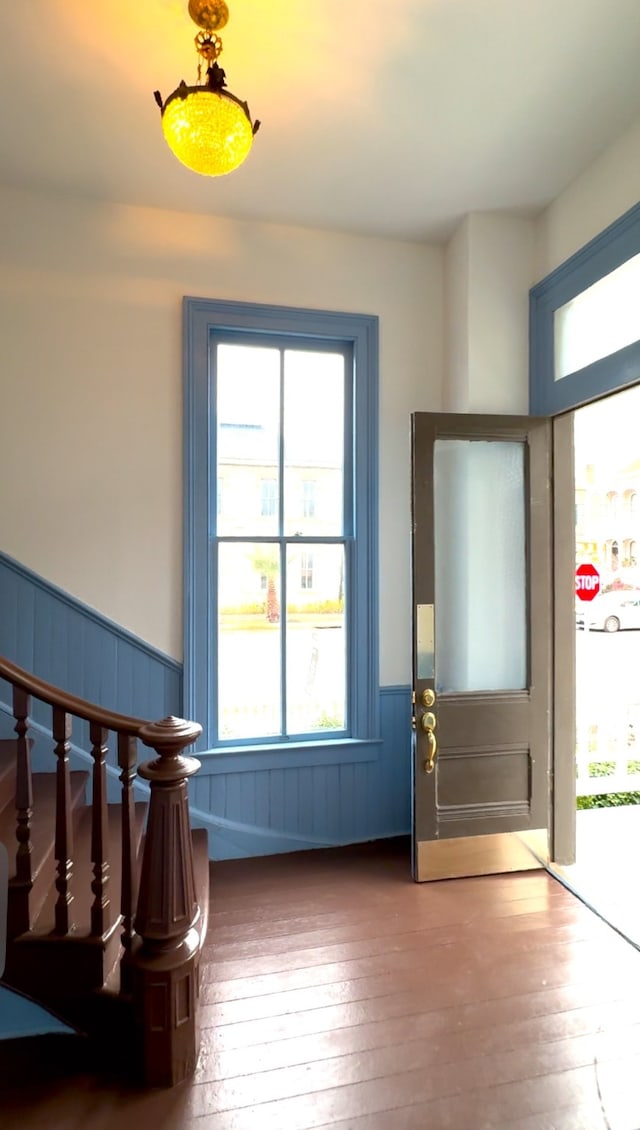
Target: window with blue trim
[
  {"x": 584, "y": 323},
  {"x": 281, "y": 603}
]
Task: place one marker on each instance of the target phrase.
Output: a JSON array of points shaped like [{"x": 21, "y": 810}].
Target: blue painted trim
[
  {"x": 89, "y": 613},
  {"x": 202, "y": 317},
  {"x": 298, "y": 755},
  {"x": 548, "y": 397},
  {"x": 74, "y": 647},
  {"x": 229, "y": 839}
]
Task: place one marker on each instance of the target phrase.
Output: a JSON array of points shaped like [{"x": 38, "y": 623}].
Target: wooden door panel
[{"x": 484, "y": 800}]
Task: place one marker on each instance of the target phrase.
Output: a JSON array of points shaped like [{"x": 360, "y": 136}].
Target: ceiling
[{"x": 384, "y": 118}]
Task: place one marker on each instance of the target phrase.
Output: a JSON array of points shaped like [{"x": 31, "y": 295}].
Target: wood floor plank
[
  {"x": 613, "y": 1022},
  {"x": 479, "y": 1106},
  {"x": 405, "y": 955},
  {"x": 425, "y": 1069},
  {"x": 339, "y": 995}
]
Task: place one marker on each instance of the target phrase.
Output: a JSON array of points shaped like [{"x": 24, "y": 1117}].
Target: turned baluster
[
  {"x": 64, "y": 829},
  {"x": 99, "y": 830},
  {"x": 24, "y": 787},
  {"x": 127, "y": 757},
  {"x": 165, "y": 968}
]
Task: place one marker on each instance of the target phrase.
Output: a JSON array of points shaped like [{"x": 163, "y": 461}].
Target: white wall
[
  {"x": 488, "y": 271},
  {"x": 90, "y": 387},
  {"x": 455, "y": 393},
  {"x": 602, "y": 193}
]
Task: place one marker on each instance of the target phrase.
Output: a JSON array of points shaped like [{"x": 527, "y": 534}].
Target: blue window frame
[
  {"x": 206, "y": 323},
  {"x": 548, "y": 396}
]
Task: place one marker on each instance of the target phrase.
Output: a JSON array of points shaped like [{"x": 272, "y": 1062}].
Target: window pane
[
  {"x": 313, "y": 443},
  {"x": 316, "y": 638},
  {"x": 601, "y": 320},
  {"x": 480, "y": 567},
  {"x": 249, "y": 649},
  {"x": 248, "y": 438}
]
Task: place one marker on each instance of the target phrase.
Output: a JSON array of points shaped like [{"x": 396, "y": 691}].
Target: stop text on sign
[{"x": 587, "y": 582}]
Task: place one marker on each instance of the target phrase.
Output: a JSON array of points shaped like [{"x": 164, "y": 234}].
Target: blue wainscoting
[
  {"x": 250, "y": 806},
  {"x": 62, "y": 640},
  {"x": 268, "y": 810}
]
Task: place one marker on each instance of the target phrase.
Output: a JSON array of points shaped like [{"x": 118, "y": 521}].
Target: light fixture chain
[{"x": 208, "y": 45}]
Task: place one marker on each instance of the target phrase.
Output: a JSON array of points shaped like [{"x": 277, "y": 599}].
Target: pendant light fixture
[{"x": 207, "y": 128}]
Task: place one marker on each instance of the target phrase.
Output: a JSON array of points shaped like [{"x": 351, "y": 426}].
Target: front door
[{"x": 482, "y": 631}]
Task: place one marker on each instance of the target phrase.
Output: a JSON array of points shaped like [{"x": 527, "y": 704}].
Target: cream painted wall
[
  {"x": 500, "y": 274},
  {"x": 488, "y": 272},
  {"x": 91, "y": 417},
  {"x": 455, "y": 393},
  {"x": 602, "y": 193}
]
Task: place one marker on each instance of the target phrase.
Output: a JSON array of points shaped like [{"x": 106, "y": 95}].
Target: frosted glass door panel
[{"x": 480, "y": 565}]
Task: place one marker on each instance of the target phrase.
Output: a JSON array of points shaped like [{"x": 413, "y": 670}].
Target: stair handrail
[
  {"x": 161, "y": 959},
  {"x": 70, "y": 703}
]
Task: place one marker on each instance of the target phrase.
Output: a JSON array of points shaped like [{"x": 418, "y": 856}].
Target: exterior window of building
[
  {"x": 219, "y": 496},
  {"x": 308, "y": 498},
  {"x": 306, "y": 571},
  {"x": 292, "y": 414},
  {"x": 268, "y": 489},
  {"x": 633, "y": 504}
]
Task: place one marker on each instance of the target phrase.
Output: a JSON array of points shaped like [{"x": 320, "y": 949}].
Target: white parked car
[{"x": 610, "y": 611}]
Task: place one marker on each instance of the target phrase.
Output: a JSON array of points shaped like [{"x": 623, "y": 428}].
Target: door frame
[
  {"x": 562, "y": 822},
  {"x": 558, "y": 399}
]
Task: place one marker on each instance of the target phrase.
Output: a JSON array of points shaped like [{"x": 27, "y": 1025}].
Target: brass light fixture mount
[{"x": 207, "y": 127}]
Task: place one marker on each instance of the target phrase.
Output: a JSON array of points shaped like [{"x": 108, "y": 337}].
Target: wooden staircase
[{"x": 107, "y": 902}]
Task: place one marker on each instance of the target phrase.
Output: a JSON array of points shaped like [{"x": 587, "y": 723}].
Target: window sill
[{"x": 293, "y": 755}]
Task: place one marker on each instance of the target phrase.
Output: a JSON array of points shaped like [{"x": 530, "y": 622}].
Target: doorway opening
[{"x": 607, "y": 683}]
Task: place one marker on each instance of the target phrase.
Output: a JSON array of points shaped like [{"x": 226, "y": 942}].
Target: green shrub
[{"x": 607, "y": 800}]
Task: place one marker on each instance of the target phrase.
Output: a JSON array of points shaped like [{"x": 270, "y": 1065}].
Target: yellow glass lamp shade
[{"x": 208, "y": 131}]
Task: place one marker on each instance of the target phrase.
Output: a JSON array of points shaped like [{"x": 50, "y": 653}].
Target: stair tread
[
  {"x": 43, "y": 819},
  {"x": 82, "y": 874}
]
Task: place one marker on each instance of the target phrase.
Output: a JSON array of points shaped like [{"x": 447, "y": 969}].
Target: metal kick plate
[
  {"x": 482, "y": 855},
  {"x": 425, "y": 644}
]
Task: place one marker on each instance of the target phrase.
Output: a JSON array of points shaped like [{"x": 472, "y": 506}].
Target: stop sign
[{"x": 587, "y": 581}]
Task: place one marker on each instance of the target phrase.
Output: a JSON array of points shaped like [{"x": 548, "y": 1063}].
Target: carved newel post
[{"x": 165, "y": 964}]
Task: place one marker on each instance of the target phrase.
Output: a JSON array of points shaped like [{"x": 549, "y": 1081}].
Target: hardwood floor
[{"x": 339, "y": 995}]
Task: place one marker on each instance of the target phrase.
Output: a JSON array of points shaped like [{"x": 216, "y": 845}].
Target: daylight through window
[{"x": 281, "y": 542}]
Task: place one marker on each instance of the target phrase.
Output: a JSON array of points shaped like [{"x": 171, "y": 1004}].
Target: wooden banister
[
  {"x": 127, "y": 758},
  {"x": 79, "y": 707},
  {"x": 99, "y": 830},
  {"x": 159, "y": 970},
  {"x": 24, "y": 811},
  {"x": 165, "y": 969},
  {"x": 64, "y": 828}
]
